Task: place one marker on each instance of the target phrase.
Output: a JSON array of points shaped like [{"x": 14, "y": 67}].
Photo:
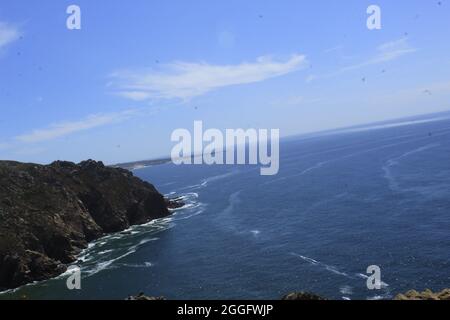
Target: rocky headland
[
  {"x": 49, "y": 214},
  {"x": 425, "y": 295}
]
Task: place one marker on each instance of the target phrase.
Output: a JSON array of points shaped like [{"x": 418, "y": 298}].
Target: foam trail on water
[
  {"x": 107, "y": 252},
  {"x": 393, "y": 184},
  {"x": 333, "y": 269},
  {"x": 323, "y": 163},
  {"x": 345, "y": 290},
  {"x": 205, "y": 182}
]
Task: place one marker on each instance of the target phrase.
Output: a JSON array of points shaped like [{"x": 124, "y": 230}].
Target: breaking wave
[{"x": 345, "y": 290}]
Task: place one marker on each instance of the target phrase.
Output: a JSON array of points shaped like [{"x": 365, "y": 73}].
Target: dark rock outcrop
[
  {"x": 142, "y": 297},
  {"x": 48, "y": 214},
  {"x": 175, "y": 203},
  {"x": 425, "y": 295},
  {"x": 305, "y": 296}
]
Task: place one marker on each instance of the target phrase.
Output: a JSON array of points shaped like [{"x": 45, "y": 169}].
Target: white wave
[
  {"x": 70, "y": 270},
  {"x": 188, "y": 216},
  {"x": 191, "y": 187},
  {"x": 96, "y": 258},
  {"x": 100, "y": 266},
  {"x": 168, "y": 184},
  {"x": 346, "y": 298},
  {"x": 103, "y": 265},
  {"x": 8, "y": 291},
  {"x": 191, "y": 208},
  {"x": 392, "y": 181},
  {"x": 347, "y": 290},
  {"x": 137, "y": 265},
  {"x": 255, "y": 232},
  {"x": 310, "y": 260},
  {"x": 335, "y": 270},
  {"x": 191, "y": 196},
  {"x": 205, "y": 182},
  {"x": 380, "y": 297},
  {"x": 105, "y": 251}
]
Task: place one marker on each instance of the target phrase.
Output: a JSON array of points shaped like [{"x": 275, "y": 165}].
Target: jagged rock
[
  {"x": 48, "y": 214},
  {"x": 175, "y": 203},
  {"x": 142, "y": 297},
  {"x": 302, "y": 296},
  {"x": 425, "y": 295}
]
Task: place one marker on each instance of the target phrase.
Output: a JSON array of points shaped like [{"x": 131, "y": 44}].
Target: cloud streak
[
  {"x": 386, "y": 52},
  {"x": 8, "y": 34},
  {"x": 185, "y": 80},
  {"x": 62, "y": 129}
]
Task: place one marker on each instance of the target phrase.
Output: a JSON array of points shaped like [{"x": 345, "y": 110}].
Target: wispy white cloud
[
  {"x": 8, "y": 34},
  {"x": 62, "y": 129},
  {"x": 185, "y": 80},
  {"x": 386, "y": 52}
]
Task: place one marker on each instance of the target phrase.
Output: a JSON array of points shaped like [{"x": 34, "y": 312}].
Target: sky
[{"x": 117, "y": 88}]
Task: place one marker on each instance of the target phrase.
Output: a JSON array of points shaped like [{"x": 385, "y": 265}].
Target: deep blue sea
[{"x": 342, "y": 201}]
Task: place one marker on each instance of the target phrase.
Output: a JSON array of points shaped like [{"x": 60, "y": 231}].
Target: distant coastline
[
  {"x": 141, "y": 164},
  {"x": 135, "y": 165}
]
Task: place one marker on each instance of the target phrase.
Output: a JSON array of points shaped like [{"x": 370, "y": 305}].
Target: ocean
[{"x": 342, "y": 201}]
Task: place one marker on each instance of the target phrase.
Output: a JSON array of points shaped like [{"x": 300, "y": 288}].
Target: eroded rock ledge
[
  {"x": 425, "y": 295},
  {"x": 48, "y": 214}
]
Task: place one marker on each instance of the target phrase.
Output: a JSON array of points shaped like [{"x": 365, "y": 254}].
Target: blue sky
[{"x": 116, "y": 89}]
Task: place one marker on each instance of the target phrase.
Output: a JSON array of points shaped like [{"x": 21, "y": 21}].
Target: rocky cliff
[
  {"x": 48, "y": 214},
  {"x": 425, "y": 295}
]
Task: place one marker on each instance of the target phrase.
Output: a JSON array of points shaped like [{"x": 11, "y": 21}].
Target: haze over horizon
[{"x": 117, "y": 88}]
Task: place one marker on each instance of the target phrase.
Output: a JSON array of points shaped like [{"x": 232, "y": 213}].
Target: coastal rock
[
  {"x": 142, "y": 297},
  {"x": 425, "y": 295},
  {"x": 175, "y": 203},
  {"x": 304, "y": 296},
  {"x": 49, "y": 213}
]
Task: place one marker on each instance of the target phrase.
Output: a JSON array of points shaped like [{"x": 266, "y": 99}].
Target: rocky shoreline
[
  {"x": 307, "y": 296},
  {"x": 49, "y": 214},
  {"x": 425, "y": 295}
]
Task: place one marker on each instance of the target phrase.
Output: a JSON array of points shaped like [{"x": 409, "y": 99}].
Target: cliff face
[{"x": 48, "y": 214}]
